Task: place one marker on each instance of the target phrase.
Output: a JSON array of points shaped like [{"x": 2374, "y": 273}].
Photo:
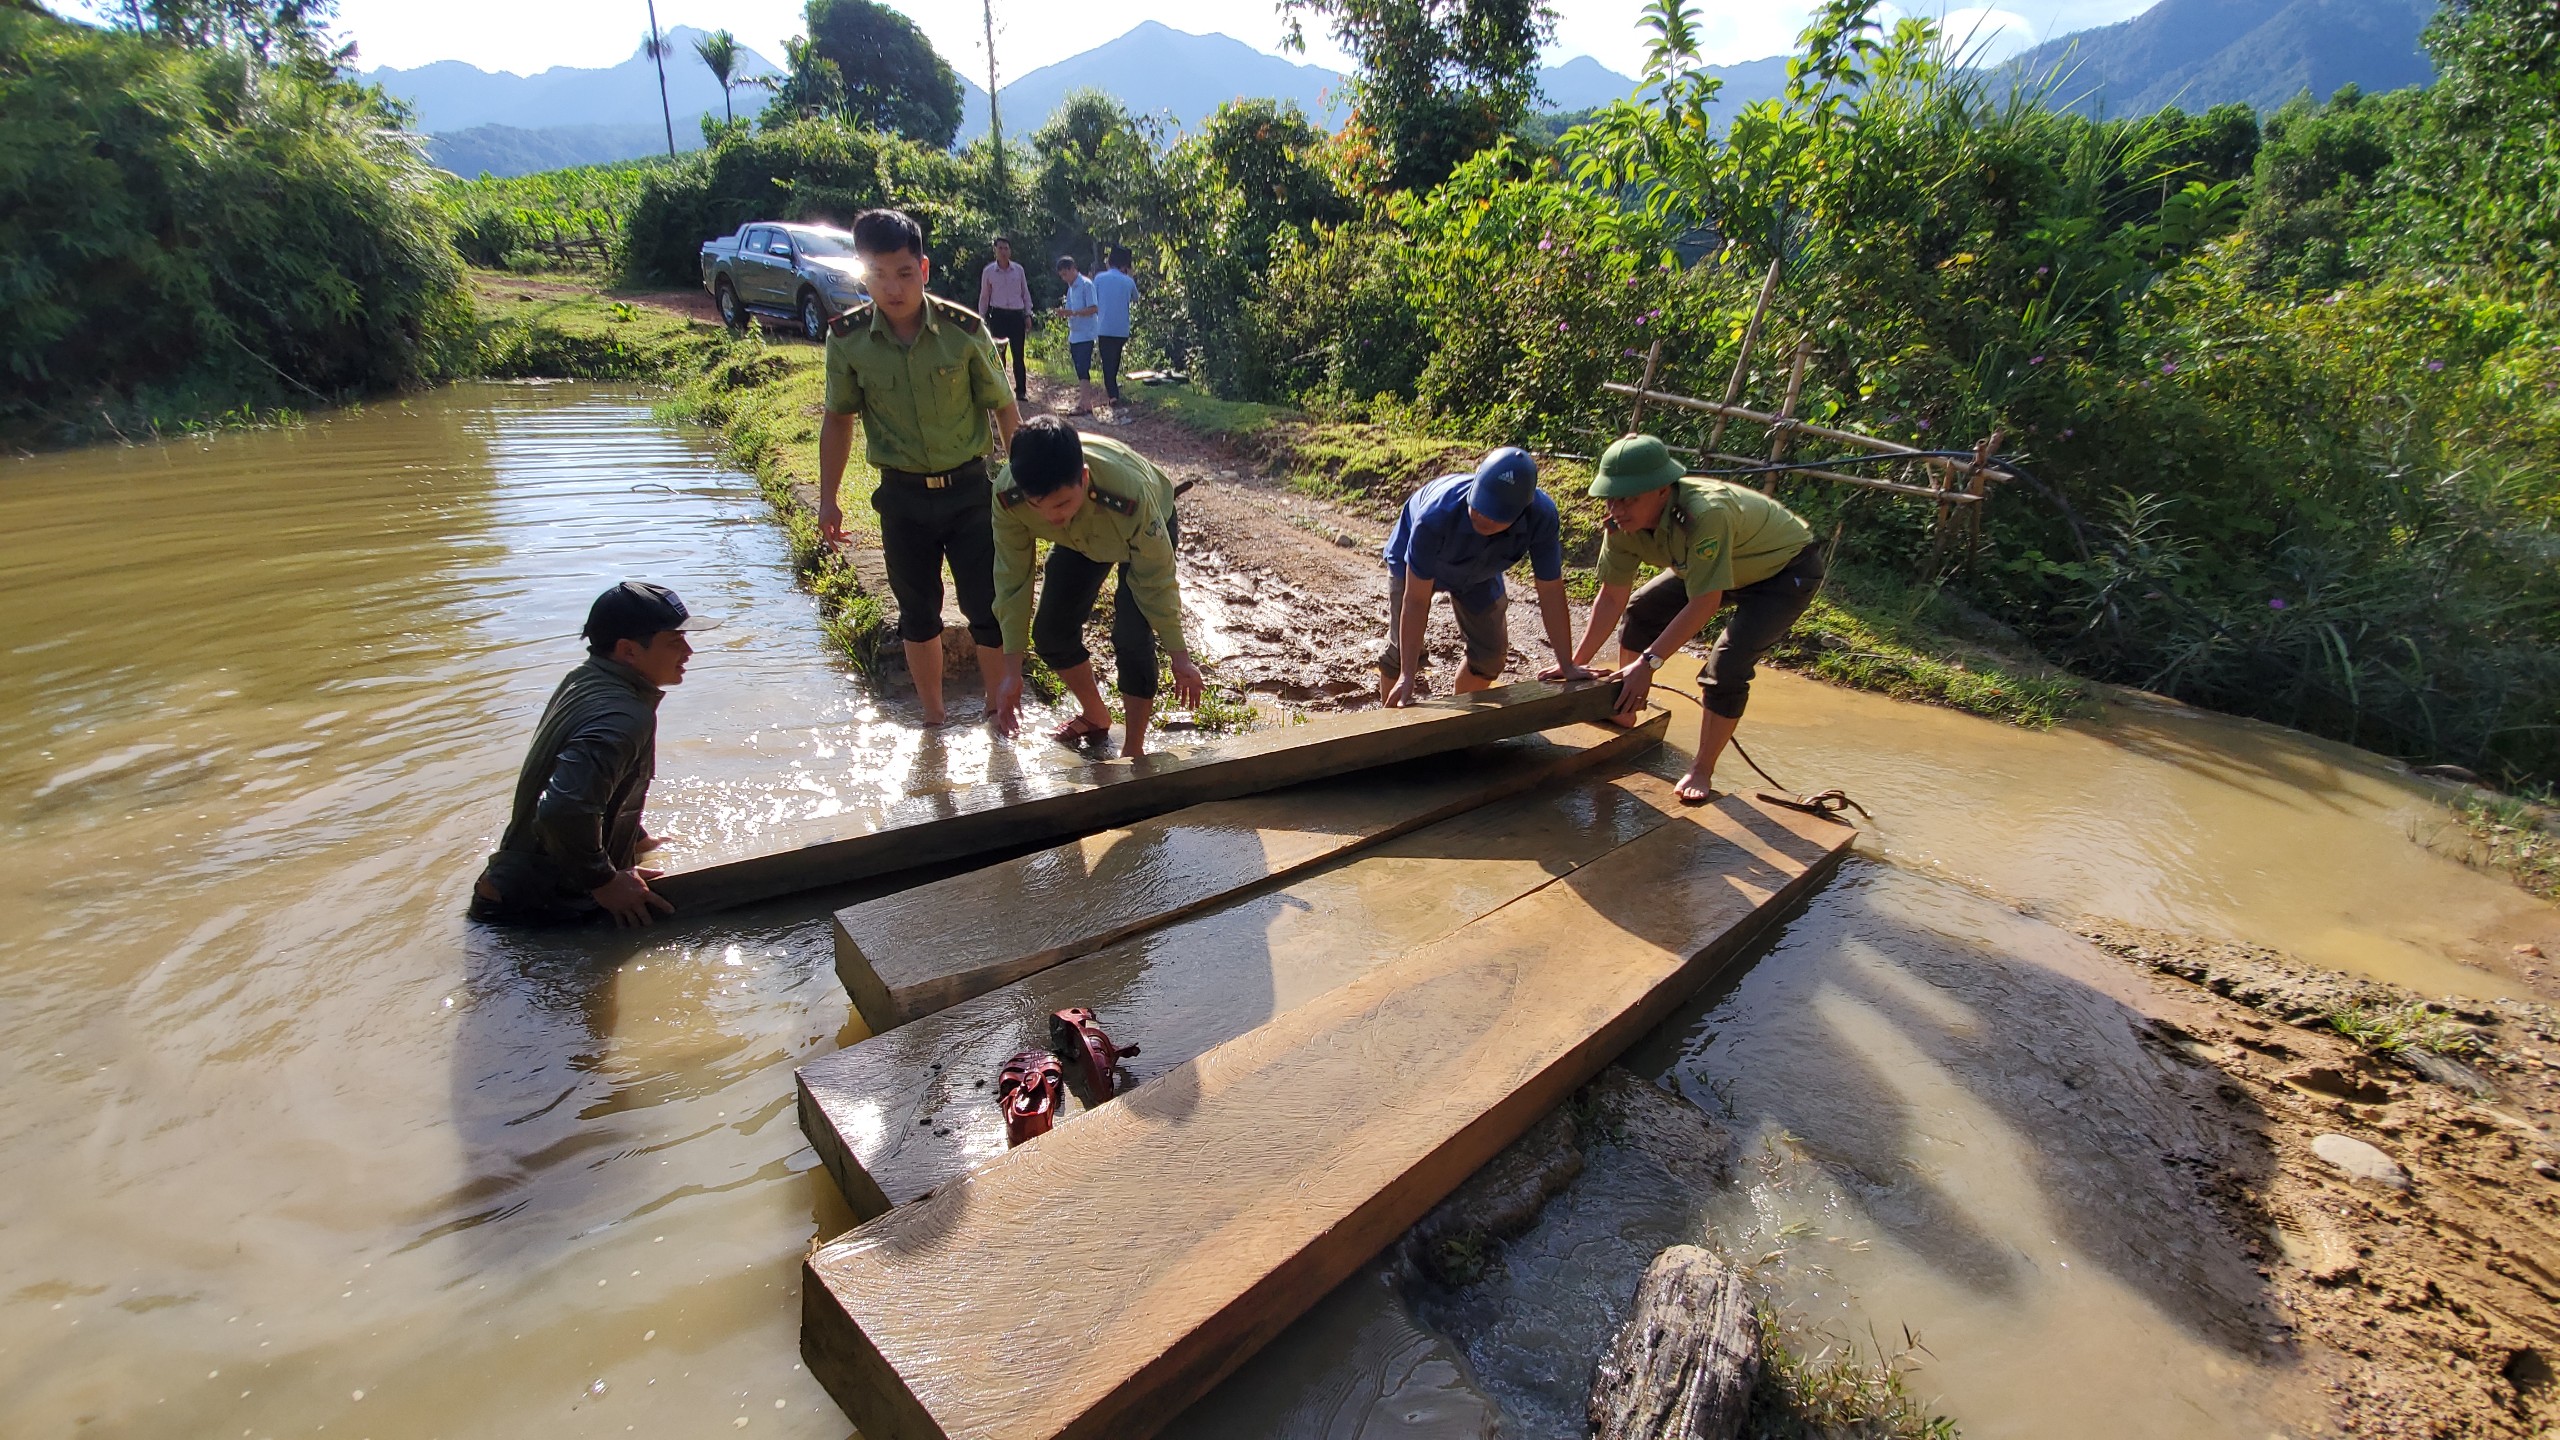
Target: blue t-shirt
[
  {"x": 1116, "y": 289},
  {"x": 1434, "y": 539},
  {"x": 1080, "y": 296}
]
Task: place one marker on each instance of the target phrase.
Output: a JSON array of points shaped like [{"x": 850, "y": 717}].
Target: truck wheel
[
  {"x": 732, "y": 314},
  {"x": 813, "y": 318}
]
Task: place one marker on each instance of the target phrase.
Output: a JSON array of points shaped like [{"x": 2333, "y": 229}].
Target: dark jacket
[{"x": 578, "y": 798}]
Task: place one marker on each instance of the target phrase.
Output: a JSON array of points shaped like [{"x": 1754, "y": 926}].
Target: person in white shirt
[
  {"x": 1004, "y": 297},
  {"x": 1083, "y": 309}
]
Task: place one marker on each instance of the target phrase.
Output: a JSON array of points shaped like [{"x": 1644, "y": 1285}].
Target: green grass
[
  {"x": 525, "y": 333},
  {"x": 1870, "y": 632},
  {"x": 2512, "y": 835},
  {"x": 1815, "y": 1386},
  {"x": 2394, "y": 1029}
]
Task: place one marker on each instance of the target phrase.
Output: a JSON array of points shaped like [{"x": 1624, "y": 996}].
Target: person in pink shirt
[{"x": 1004, "y": 297}]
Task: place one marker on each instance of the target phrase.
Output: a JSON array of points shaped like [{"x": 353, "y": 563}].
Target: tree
[
  {"x": 277, "y": 32},
  {"x": 810, "y": 84},
  {"x": 656, "y": 45},
  {"x": 893, "y": 80},
  {"x": 719, "y": 52},
  {"x": 1439, "y": 79}
]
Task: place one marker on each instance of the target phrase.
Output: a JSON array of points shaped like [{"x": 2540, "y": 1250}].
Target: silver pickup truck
[{"x": 803, "y": 274}]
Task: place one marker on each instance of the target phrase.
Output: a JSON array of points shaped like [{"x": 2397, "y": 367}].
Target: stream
[{"x": 294, "y": 1150}]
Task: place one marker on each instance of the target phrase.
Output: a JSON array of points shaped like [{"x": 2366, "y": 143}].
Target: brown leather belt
[{"x": 974, "y": 470}]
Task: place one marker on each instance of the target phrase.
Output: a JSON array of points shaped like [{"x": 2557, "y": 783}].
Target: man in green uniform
[
  {"x": 1098, "y": 503},
  {"x": 573, "y": 843},
  {"x": 923, "y": 376},
  {"x": 1714, "y": 542}
]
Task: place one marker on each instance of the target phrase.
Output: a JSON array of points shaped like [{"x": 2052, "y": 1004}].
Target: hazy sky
[{"x": 526, "y": 37}]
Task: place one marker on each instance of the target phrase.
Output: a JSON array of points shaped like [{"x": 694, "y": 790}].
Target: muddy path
[{"x": 1289, "y": 589}]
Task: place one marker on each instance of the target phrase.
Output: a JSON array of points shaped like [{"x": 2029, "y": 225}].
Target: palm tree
[
  {"x": 657, "y": 48},
  {"x": 719, "y": 52}
]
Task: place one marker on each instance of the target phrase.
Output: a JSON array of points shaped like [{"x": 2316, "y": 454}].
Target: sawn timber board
[
  {"x": 933, "y": 946},
  {"x": 1035, "y": 809},
  {"x": 1103, "y": 1276},
  {"x": 898, "y": 1115}
]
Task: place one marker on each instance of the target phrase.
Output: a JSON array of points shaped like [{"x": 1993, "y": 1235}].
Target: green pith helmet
[{"x": 1634, "y": 466}]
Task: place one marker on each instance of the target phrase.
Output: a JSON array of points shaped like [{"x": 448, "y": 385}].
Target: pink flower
[
  {"x": 2035, "y": 359},
  {"x": 2276, "y": 604},
  {"x": 2168, "y": 367},
  {"x": 2434, "y": 366}
]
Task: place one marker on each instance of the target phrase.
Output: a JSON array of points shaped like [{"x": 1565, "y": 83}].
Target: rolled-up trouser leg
[
  {"x": 969, "y": 539},
  {"x": 1069, "y": 586},
  {"x": 1762, "y": 613},
  {"x": 1133, "y": 637},
  {"x": 911, "y": 549}
]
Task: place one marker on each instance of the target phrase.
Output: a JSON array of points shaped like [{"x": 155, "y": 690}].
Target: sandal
[{"x": 1078, "y": 730}]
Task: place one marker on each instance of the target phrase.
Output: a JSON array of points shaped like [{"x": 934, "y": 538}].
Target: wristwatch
[{"x": 1651, "y": 660}]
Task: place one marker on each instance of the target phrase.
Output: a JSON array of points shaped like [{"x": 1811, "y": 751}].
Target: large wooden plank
[
  {"x": 1106, "y": 1274},
  {"x": 900, "y": 1114},
  {"x": 1036, "y": 809},
  {"x": 933, "y": 946}
]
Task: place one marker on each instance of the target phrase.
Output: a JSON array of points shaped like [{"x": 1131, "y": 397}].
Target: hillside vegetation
[{"x": 192, "y": 229}]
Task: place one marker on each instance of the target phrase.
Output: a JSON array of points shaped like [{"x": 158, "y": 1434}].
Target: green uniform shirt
[
  {"x": 923, "y": 406},
  {"x": 1122, "y": 522},
  {"x": 1717, "y": 536}
]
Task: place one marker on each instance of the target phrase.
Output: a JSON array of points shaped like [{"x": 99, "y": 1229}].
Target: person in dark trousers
[
  {"x": 1004, "y": 297},
  {"x": 1458, "y": 534},
  {"x": 1715, "y": 542},
  {"x": 1098, "y": 503},
  {"x": 1084, "y": 325},
  {"x": 574, "y": 839},
  {"x": 922, "y": 375},
  {"x": 1115, "y": 291}
]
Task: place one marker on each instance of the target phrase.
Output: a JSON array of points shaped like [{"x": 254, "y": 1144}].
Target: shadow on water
[{"x": 1947, "y": 1120}]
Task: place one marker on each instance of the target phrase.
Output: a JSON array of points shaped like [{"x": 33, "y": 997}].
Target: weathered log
[{"x": 1683, "y": 1365}]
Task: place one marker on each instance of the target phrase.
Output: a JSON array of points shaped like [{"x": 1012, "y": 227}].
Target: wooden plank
[
  {"x": 1107, "y": 1274},
  {"x": 1036, "y": 809},
  {"x": 931, "y": 947},
  {"x": 897, "y": 1116}
]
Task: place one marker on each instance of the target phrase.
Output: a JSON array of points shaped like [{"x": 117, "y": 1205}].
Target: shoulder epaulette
[
  {"x": 1011, "y": 496},
  {"x": 857, "y": 318},
  {"x": 1118, "y": 504},
  {"x": 958, "y": 314}
]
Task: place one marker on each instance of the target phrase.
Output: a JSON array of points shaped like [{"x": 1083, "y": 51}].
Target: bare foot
[{"x": 1695, "y": 789}]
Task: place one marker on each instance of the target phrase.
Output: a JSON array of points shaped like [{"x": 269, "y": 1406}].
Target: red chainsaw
[
  {"x": 1029, "y": 1088},
  {"x": 1076, "y": 1037}
]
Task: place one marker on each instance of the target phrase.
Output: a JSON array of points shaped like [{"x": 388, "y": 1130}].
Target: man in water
[
  {"x": 1459, "y": 533},
  {"x": 1715, "y": 542},
  {"x": 573, "y": 843},
  {"x": 1098, "y": 503},
  {"x": 921, "y": 373}
]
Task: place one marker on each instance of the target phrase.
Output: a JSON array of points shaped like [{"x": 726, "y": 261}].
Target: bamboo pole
[
  {"x": 1742, "y": 358},
  {"x": 1825, "y": 432},
  {"x": 1652, "y": 366},
  {"x": 1782, "y": 434}
]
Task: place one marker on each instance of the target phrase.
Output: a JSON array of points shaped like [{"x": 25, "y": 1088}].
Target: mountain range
[
  {"x": 2190, "y": 53},
  {"x": 2195, "y": 54}
]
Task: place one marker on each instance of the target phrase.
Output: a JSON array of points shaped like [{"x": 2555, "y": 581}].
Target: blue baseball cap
[{"x": 1505, "y": 482}]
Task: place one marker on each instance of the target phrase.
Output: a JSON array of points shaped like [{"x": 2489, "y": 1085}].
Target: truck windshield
[{"x": 823, "y": 242}]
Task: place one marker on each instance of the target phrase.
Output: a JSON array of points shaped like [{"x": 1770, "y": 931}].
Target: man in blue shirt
[
  {"x": 1459, "y": 533},
  {"x": 1083, "y": 309},
  {"x": 1115, "y": 289}
]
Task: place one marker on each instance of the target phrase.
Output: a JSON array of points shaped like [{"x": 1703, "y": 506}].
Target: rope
[{"x": 1828, "y": 804}]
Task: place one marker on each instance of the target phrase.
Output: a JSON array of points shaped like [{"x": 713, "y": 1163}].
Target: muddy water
[{"x": 292, "y": 1150}]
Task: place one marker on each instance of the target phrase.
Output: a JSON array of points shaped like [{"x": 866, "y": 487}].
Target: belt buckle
[{"x": 937, "y": 482}]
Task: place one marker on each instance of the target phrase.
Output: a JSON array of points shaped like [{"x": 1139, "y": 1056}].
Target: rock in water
[
  {"x": 1683, "y": 1365},
  {"x": 2360, "y": 1161}
]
